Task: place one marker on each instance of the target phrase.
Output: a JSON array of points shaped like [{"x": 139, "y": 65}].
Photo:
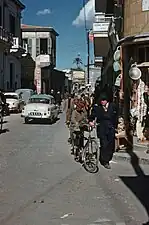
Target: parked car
[
  {"x": 40, "y": 107},
  {"x": 13, "y": 101}
]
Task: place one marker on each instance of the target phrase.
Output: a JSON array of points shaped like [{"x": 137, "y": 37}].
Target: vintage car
[
  {"x": 13, "y": 101},
  {"x": 40, "y": 107}
]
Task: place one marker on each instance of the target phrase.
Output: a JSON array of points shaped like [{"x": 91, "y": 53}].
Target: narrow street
[{"x": 41, "y": 184}]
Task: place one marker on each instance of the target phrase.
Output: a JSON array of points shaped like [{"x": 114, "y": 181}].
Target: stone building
[
  {"x": 11, "y": 46},
  {"x": 41, "y": 43}
]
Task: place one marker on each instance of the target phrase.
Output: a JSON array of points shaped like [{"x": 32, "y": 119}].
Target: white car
[
  {"x": 40, "y": 107},
  {"x": 13, "y": 100}
]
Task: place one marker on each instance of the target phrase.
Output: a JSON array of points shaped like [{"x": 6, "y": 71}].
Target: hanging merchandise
[
  {"x": 134, "y": 72},
  {"x": 116, "y": 66},
  {"x": 117, "y": 54}
]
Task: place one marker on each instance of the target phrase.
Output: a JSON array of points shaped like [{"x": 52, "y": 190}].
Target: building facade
[
  {"x": 41, "y": 43},
  {"x": 136, "y": 14},
  {"x": 11, "y": 48}
]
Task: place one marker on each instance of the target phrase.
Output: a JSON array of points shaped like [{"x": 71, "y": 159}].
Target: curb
[{"x": 125, "y": 158}]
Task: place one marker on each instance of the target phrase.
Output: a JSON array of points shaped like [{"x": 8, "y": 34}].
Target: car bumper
[
  {"x": 12, "y": 109},
  {"x": 43, "y": 117}
]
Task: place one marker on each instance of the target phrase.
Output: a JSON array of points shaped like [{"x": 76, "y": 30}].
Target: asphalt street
[{"x": 41, "y": 184}]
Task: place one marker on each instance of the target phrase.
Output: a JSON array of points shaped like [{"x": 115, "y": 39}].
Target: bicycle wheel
[{"x": 90, "y": 156}]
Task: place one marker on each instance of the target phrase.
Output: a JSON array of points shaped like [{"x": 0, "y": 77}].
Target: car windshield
[
  {"x": 11, "y": 97},
  {"x": 39, "y": 100}
]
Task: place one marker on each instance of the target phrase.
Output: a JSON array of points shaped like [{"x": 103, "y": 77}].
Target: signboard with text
[
  {"x": 100, "y": 27},
  {"x": 37, "y": 79}
]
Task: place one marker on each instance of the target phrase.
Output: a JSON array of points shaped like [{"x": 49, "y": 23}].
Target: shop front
[{"x": 136, "y": 86}]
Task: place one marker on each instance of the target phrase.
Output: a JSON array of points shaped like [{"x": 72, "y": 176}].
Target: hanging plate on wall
[
  {"x": 117, "y": 54},
  {"x": 116, "y": 66},
  {"x": 134, "y": 72}
]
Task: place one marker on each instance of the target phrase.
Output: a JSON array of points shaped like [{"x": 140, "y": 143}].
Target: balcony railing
[
  {"x": 101, "y": 17},
  {"x": 5, "y": 36},
  {"x": 17, "y": 45}
]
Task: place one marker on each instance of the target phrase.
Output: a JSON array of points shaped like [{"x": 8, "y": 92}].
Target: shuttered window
[
  {"x": 37, "y": 46},
  {"x": 30, "y": 46},
  {"x": 49, "y": 46}
]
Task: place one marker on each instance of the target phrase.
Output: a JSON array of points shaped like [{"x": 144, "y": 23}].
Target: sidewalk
[{"x": 139, "y": 150}]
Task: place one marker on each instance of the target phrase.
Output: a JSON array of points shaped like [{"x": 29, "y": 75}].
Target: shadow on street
[
  {"x": 4, "y": 131},
  {"x": 139, "y": 185}
]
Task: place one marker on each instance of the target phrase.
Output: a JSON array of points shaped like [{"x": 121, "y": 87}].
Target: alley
[{"x": 40, "y": 184}]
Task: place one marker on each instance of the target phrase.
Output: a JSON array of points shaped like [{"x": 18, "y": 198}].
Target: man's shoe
[{"x": 107, "y": 166}]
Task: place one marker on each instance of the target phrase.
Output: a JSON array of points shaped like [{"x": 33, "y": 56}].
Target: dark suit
[{"x": 106, "y": 125}]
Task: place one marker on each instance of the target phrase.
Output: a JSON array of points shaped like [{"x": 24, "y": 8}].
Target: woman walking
[{"x": 106, "y": 116}]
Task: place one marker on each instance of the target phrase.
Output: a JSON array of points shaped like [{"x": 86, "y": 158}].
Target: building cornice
[
  {"x": 30, "y": 28},
  {"x": 19, "y": 3}
]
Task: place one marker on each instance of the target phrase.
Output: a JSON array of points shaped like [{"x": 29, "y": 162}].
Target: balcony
[
  {"x": 17, "y": 48},
  {"x": 43, "y": 60},
  {"x": 6, "y": 39},
  {"x": 100, "y": 30}
]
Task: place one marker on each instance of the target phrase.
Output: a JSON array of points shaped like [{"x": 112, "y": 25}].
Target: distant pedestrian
[{"x": 68, "y": 107}]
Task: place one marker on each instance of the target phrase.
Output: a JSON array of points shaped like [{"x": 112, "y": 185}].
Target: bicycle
[
  {"x": 77, "y": 144},
  {"x": 90, "y": 153},
  {"x": 89, "y": 157}
]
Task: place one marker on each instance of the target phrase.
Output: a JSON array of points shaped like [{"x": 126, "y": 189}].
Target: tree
[{"x": 78, "y": 61}]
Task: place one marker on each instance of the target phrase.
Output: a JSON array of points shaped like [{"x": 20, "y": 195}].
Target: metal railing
[
  {"x": 5, "y": 35},
  {"x": 18, "y": 44}
]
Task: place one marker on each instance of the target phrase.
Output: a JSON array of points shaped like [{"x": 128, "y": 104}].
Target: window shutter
[
  {"x": 49, "y": 45},
  {"x": 30, "y": 46},
  {"x": 37, "y": 46}
]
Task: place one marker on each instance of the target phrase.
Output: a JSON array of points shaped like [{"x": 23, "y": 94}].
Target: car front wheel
[{"x": 26, "y": 120}]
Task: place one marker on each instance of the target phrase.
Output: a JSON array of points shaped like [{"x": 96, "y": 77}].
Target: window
[
  {"x": 39, "y": 100},
  {"x": 29, "y": 42},
  {"x": 43, "y": 46},
  {"x": 12, "y": 24},
  {"x": 37, "y": 46},
  {"x": 11, "y": 74},
  {"x": 25, "y": 40},
  {"x": 143, "y": 54},
  {"x": 11, "y": 96}
]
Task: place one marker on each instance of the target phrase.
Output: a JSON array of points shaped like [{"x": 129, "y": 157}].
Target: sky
[{"x": 67, "y": 18}]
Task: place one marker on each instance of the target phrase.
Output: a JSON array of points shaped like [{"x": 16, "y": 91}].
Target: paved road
[{"x": 40, "y": 184}]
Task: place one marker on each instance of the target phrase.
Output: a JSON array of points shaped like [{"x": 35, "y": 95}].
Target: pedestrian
[
  {"x": 106, "y": 116},
  {"x": 58, "y": 98},
  {"x": 68, "y": 105}
]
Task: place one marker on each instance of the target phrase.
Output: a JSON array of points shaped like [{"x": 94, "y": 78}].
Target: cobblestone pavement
[{"x": 40, "y": 184}]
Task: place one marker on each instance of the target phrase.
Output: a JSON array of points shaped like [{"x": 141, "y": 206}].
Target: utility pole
[{"x": 88, "y": 58}]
